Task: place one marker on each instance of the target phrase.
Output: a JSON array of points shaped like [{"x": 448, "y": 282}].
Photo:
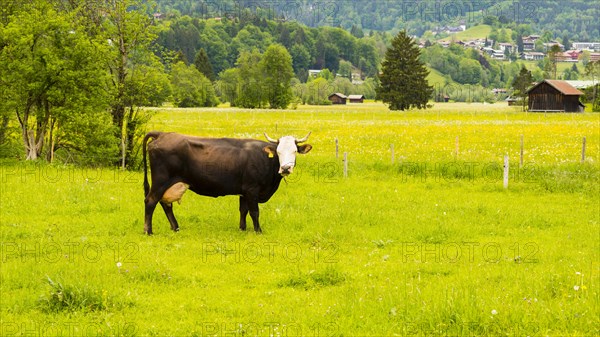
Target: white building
[{"x": 592, "y": 46}]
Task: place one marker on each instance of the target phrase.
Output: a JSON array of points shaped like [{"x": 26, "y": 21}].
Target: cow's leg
[
  {"x": 253, "y": 207},
  {"x": 243, "y": 212},
  {"x": 152, "y": 199},
  {"x": 168, "y": 208},
  {"x": 149, "y": 210}
]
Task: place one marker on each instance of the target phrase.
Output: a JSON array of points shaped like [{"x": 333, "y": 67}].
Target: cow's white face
[
  {"x": 287, "y": 148},
  {"x": 286, "y": 151}
]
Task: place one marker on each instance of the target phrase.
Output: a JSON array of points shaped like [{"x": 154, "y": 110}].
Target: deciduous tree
[
  {"x": 54, "y": 80},
  {"x": 521, "y": 83},
  {"x": 277, "y": 72}
]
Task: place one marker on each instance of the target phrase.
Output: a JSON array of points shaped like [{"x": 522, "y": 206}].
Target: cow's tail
[{"x": 153, "y": 135}]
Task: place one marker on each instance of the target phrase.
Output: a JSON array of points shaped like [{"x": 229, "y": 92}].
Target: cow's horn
[
  {"x": 271, "y": 139},
  {"x": 303, "y": 139}
]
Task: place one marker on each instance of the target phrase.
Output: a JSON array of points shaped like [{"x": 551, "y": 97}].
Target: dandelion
[
  {"x": 119, "y": 264},
  {"x": 494, "y": 312}
]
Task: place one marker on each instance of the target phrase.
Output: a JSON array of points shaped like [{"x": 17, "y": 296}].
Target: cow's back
[{"x": 214, "y": 166}]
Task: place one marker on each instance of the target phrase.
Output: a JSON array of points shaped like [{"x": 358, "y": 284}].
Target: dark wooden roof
[
  {"x": 562, "y": 86},
  {"x": 338, "y": 95}
]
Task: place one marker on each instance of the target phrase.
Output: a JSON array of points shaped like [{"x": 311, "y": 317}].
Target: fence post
[
  {"x": 506, "y": 171},
  {"x": 337, "y": 149},
  {"x": 345, "y": 164},
  {"x": 583, "y": 151}
]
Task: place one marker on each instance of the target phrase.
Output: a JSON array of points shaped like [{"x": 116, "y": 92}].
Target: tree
[
  {"x": 250, "y": 94},
  {"x": 469, "y": 71},
  {"x": 317, "y": 91},
  {"x": 403, "y": 81},
  {"x": 300, "y": 61},
  {"x": 53, "y": 79},
  {"x": 129, "y": 31},
  {"x": 521, "y": 83},
  {"x": 277, "y": 72},
  {"x": 520, "y": 43},
  {"x": 592, "y": 69},
  {"x": 227, "y": 85},
  {"x": 566, "y": 42},
  {"x": 345, "y": 69},
  {"x": 191, "y": 88},
  {"x": 553, "y": 57},
  {"x": 203, "y": 64},
  {"x": 585, "y": 57},
  {"x": 356, "y": 32}
]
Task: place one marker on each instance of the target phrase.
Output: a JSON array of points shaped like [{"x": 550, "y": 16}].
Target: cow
[{"x": 249, "y": 168}]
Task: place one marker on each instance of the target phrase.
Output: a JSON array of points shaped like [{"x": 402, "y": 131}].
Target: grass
[
  {"x": 472, "y": 33},
  {"x": 431, "y": 244},
  {"x": 436, "y": 79}
]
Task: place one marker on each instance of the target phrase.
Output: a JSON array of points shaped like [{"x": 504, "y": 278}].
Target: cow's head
[{"x": 287, "y": 148}]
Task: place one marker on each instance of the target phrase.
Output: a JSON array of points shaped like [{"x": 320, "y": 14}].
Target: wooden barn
[
  {"x": 337, "y": 98},
  {"x": 554, "y": 96},
  {"x": 356, "y": 98}
]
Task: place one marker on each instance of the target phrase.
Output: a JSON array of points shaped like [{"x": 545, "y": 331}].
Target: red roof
[{"x": 562, "y": 86}]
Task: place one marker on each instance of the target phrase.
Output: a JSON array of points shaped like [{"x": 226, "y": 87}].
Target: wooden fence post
[{"x": 337, "y": 149}]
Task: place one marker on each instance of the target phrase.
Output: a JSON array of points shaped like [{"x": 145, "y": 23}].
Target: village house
[
  {"x": 570, "y": 56},
  {"x": 591, "y": 46},
  {"x": 528, "y": 45},
  {"x": 505, "y": 46},
  {"x": 532, "y": 56},
  {"x": 529, "y": 42},
  {"x": 549, "y": 45}
]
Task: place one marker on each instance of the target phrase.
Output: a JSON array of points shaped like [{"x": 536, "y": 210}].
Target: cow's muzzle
[{"x": 286, "y": 170}]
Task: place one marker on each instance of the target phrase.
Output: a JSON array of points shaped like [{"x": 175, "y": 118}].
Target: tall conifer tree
[
  {"x": 403, "y": 78},
  {"x": 203, "y": 64}
]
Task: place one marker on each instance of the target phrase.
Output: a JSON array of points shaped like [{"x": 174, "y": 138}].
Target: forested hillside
[
  {"x": 578, "y": 19},
  {"x": 325, "y": 47}
]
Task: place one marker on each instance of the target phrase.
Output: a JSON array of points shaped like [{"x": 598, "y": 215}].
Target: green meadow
[{"x": 418, "y": 238}]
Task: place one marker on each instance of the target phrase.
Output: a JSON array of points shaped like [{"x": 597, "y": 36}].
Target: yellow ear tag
[{"x": 271, "y": 155}]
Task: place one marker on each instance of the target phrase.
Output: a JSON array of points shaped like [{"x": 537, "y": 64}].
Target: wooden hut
[
  {"x": 337, "y": 98},
  {"x": 356, "y": 98},
  {"x": 554, "y": 96}
]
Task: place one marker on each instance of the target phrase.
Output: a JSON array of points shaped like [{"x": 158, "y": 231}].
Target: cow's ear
[
  {"x": 304, "y": 148},
  {"x": 270, "y": 150}
]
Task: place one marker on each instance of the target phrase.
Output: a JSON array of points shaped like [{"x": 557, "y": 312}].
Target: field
[
  {"x": 420, "y": 239},
  {"x": 472, "y": 33}
]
